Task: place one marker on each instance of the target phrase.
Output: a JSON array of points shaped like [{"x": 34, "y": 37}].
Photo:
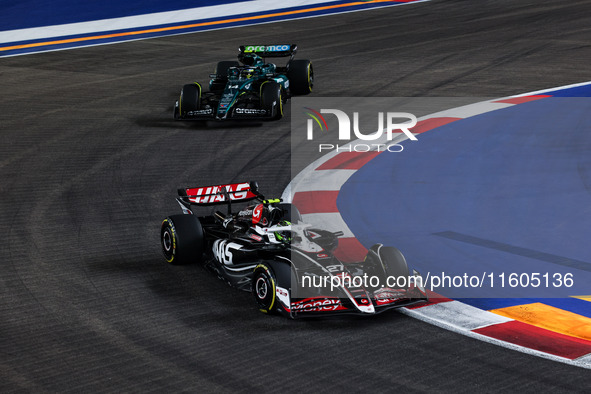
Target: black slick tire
[
  {"x": 394, "y": 263},
  {"x": 221, "y": 69},
  {"x": 301, "y": 77},
  {"x": 182, "y": 240},
  {"x": 218, "y": 84},
  {"x": 272, "y": 99},
  {"x": 264, "y": 288},
  {"x": 190, "y": 99}
]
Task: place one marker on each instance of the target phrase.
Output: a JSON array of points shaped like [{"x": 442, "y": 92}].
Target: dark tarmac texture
[{"x": 90, "y": 161}]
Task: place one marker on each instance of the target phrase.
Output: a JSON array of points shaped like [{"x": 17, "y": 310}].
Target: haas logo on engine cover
[{"x": 222, "y": 250}]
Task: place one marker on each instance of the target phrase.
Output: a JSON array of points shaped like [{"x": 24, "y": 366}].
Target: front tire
[
  {"x": 263, "y": 288},
  {"x": 272, "y": 99},
  {"x": 393, "y": 263},
  {"x": 182, "y": 240},
  {"x": 190, "y": 99}
]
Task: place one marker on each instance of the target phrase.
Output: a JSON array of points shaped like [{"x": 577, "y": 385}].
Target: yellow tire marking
[{"x": 267, "y": 270}]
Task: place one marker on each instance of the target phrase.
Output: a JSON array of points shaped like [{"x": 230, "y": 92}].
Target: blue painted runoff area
[
  {"x": 505, "y": 192},
  {"x": 576, "y": 91}
]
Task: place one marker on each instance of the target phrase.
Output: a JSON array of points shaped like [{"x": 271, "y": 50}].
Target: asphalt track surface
[{"x": 90, "y": 162}]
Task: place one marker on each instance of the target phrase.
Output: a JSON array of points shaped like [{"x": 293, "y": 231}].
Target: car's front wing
[
  {"x": 238, "y": 113},
  {"x": 323, "y": 306}
]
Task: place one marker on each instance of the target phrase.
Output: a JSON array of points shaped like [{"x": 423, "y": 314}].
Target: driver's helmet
[
  {"x": 285, "y": 235},
  {"x": 251, "y": 59},
  {"x": 247, "y": 73},
  {"x": 233, "y": 72}
]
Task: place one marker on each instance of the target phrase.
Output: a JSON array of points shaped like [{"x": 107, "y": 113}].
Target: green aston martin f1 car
[{"x": 250, "y": 88}]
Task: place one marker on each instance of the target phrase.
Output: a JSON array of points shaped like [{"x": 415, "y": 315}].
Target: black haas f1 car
[
  {"x": 248, "y": 89},
  {"x": 289, "y": 267}
]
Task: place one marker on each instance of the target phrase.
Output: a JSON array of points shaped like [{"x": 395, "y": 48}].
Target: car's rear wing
[
  {"x": 281, "y": 50},
  {"x": 219, "y": 194}
]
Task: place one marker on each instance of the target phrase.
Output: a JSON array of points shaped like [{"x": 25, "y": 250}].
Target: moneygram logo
[{"x": 390, "y": 128}]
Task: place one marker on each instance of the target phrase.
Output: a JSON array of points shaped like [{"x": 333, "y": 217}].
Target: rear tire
[
  {"x": 272, "y": 99},
  {"x": 221, "y": 70},
  {"x": 190, "y": 99},
  {"x": 301, "y": 77},
  {"x": 218, "y": 84},
  {"x": 182, "y": 240},
  {"x": 263, "y": 288}
]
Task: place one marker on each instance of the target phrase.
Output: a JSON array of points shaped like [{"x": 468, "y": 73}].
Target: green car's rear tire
[
  {"x": 221, "y": 69},
  {"x": 218, "y": 84},
  {"x": 301, "y": 77}
]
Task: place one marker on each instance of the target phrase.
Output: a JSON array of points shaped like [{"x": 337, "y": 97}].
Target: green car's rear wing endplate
[{"x": 280, "y": 50}]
